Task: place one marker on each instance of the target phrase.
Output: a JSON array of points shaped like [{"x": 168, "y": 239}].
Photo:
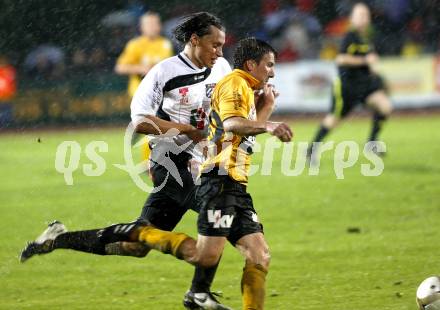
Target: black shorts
[
  {"x": 165, "y": 208},
  {"x": 226, "y": 209},
  {"x": 348, "y": 94}
]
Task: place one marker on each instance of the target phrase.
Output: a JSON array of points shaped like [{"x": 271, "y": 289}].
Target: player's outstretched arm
[
  {"x": 244, "y": 127},
  {"x": 351, "y": 60},
  {"x": 156, "y": 126},
  {"x": 129, "y": 69}
]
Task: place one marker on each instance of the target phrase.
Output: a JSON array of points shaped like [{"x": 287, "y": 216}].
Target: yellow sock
[
  {"x": 253, "y": 286},
  {"x": 165, "y": 241},
  {"x": 145, "y": 150}
]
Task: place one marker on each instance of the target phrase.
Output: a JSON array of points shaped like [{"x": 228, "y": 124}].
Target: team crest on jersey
[
  {"x": 209, "y": 89},
  {"x": 183, "y": 93}
]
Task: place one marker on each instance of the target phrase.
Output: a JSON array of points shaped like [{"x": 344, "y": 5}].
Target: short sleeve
[
  {"x": 148, "y": 96},
  {"x": 130, "y": 55},
  {"x": 232, "y": 100}
]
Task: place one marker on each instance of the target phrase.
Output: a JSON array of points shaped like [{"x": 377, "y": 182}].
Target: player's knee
[
  {"x": 387, "y": 108},
  {"x": 208, "y": 260},
  {"x": 330, "y": 121},
  {"x": 265, "y": 258},
  {"x": 259, "y": 257}
]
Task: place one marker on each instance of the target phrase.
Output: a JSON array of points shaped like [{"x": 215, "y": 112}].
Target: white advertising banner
[{"x": 306, "y": 86}]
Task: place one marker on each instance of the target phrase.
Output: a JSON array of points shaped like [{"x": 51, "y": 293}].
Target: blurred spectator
[
  {"x": 8, "y": 88},
  {"x": 295, "y": 31},
  {"x": 97, "y": 58},
  {"x": 142, "y": 53},
  {"x": 430, "y": 15},
  {"x": 329, "y": 50},
  {"x": 45, "y": 62}
]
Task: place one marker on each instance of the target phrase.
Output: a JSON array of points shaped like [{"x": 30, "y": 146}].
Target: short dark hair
[
  {"x": 197, "y": 23},
  {"x": 251, "y": 49}
]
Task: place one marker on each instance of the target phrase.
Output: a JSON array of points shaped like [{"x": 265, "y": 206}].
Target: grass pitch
[{"x": 316, "y": 263}]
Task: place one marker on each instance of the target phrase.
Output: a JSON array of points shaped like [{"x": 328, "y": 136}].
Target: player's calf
[{"x": 134, "y": 249}]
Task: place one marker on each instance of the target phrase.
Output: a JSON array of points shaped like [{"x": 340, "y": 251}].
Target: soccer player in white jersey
[{"x": 174, "y": 95}]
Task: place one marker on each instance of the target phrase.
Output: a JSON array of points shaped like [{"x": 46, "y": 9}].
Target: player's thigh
[
  {"x": 343, "y": 102},
  {"x": 165, "y": 208},
  {"x": 209, "y": 250},
  {"x": 162, "y": 212},
  {"x": 380, "y": 102},
  {"x": 254, "y": 248}
]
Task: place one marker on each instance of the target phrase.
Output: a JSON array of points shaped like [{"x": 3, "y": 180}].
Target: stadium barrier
[
  {"x": 304, "y": 86},
  {"x": 88, "y": 98}
]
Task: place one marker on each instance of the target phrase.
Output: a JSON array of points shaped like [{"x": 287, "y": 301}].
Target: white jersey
[{"x": 178, "y": 91}]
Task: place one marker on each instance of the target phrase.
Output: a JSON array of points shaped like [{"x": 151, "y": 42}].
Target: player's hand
[
  {"x": 196, "y": 135},
  {"x": 372, "y": 59},
  {"x": 280, "y": 130},
  {"x": 266, "y": 96}
]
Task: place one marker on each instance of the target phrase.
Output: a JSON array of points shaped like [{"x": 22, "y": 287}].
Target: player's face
[
  {"x": 360, "y": 17},
  {"x": 264, "y": 70},
  {"x": 209, "y": 47},
  {"x": 150, "y": 26}
]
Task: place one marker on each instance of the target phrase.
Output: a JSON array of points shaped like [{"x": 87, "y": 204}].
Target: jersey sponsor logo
[
  {"x": 198, "y": 118},
  {"x": 183, "y": 93},
  {"x": 199, "y": 77},
  {"x": 209, "y": 89},
  {"x": 237, "y": 99},
  {"x": 220, "y": 221}
]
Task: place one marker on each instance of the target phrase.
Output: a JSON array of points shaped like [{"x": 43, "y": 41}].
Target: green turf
[{"x": 316, "y": 264}]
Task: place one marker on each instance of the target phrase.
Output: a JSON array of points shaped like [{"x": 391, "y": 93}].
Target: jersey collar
[
  {"x": 188, "y": 62},
  {"x": 249, "y": 78}
]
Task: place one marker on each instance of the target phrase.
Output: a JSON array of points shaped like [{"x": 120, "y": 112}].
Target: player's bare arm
[
  {"x": 245, "y": 127},
  {"x": 355, "y": 61},
  {"x": 129, "y": 69},
  {"x": 162, "y": 126}
]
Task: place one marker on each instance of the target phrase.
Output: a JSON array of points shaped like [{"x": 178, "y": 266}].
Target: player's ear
[
  {"x": 194, "y": 40},
  {"x": 250, "y": 65}
]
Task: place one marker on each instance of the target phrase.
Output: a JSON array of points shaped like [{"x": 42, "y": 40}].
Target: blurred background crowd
[
  {"x": 54, "y": 39},
  {"x": 59, "y": 40}
]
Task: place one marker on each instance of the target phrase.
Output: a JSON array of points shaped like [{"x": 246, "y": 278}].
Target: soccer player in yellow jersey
[
  {"x": 142, "y": 53},
  {"x": 226, "y": 209}
]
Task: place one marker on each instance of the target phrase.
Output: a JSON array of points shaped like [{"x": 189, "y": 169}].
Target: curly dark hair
[
  {"x": 251, "y": 49},
  {"x": 197, "y": 23}
]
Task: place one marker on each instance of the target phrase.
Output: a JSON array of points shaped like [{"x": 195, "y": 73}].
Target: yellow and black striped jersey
[{"x": 228, "y": 152}]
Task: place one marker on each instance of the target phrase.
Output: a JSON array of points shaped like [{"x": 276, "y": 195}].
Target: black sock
[
  {"x": 203, "y": 278},
  {"x": 322, "y": 132},
  {"x": 320, "y": 135},
  {"x": 84, "y": 241},
  {"x": 378, "y": 120}
]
